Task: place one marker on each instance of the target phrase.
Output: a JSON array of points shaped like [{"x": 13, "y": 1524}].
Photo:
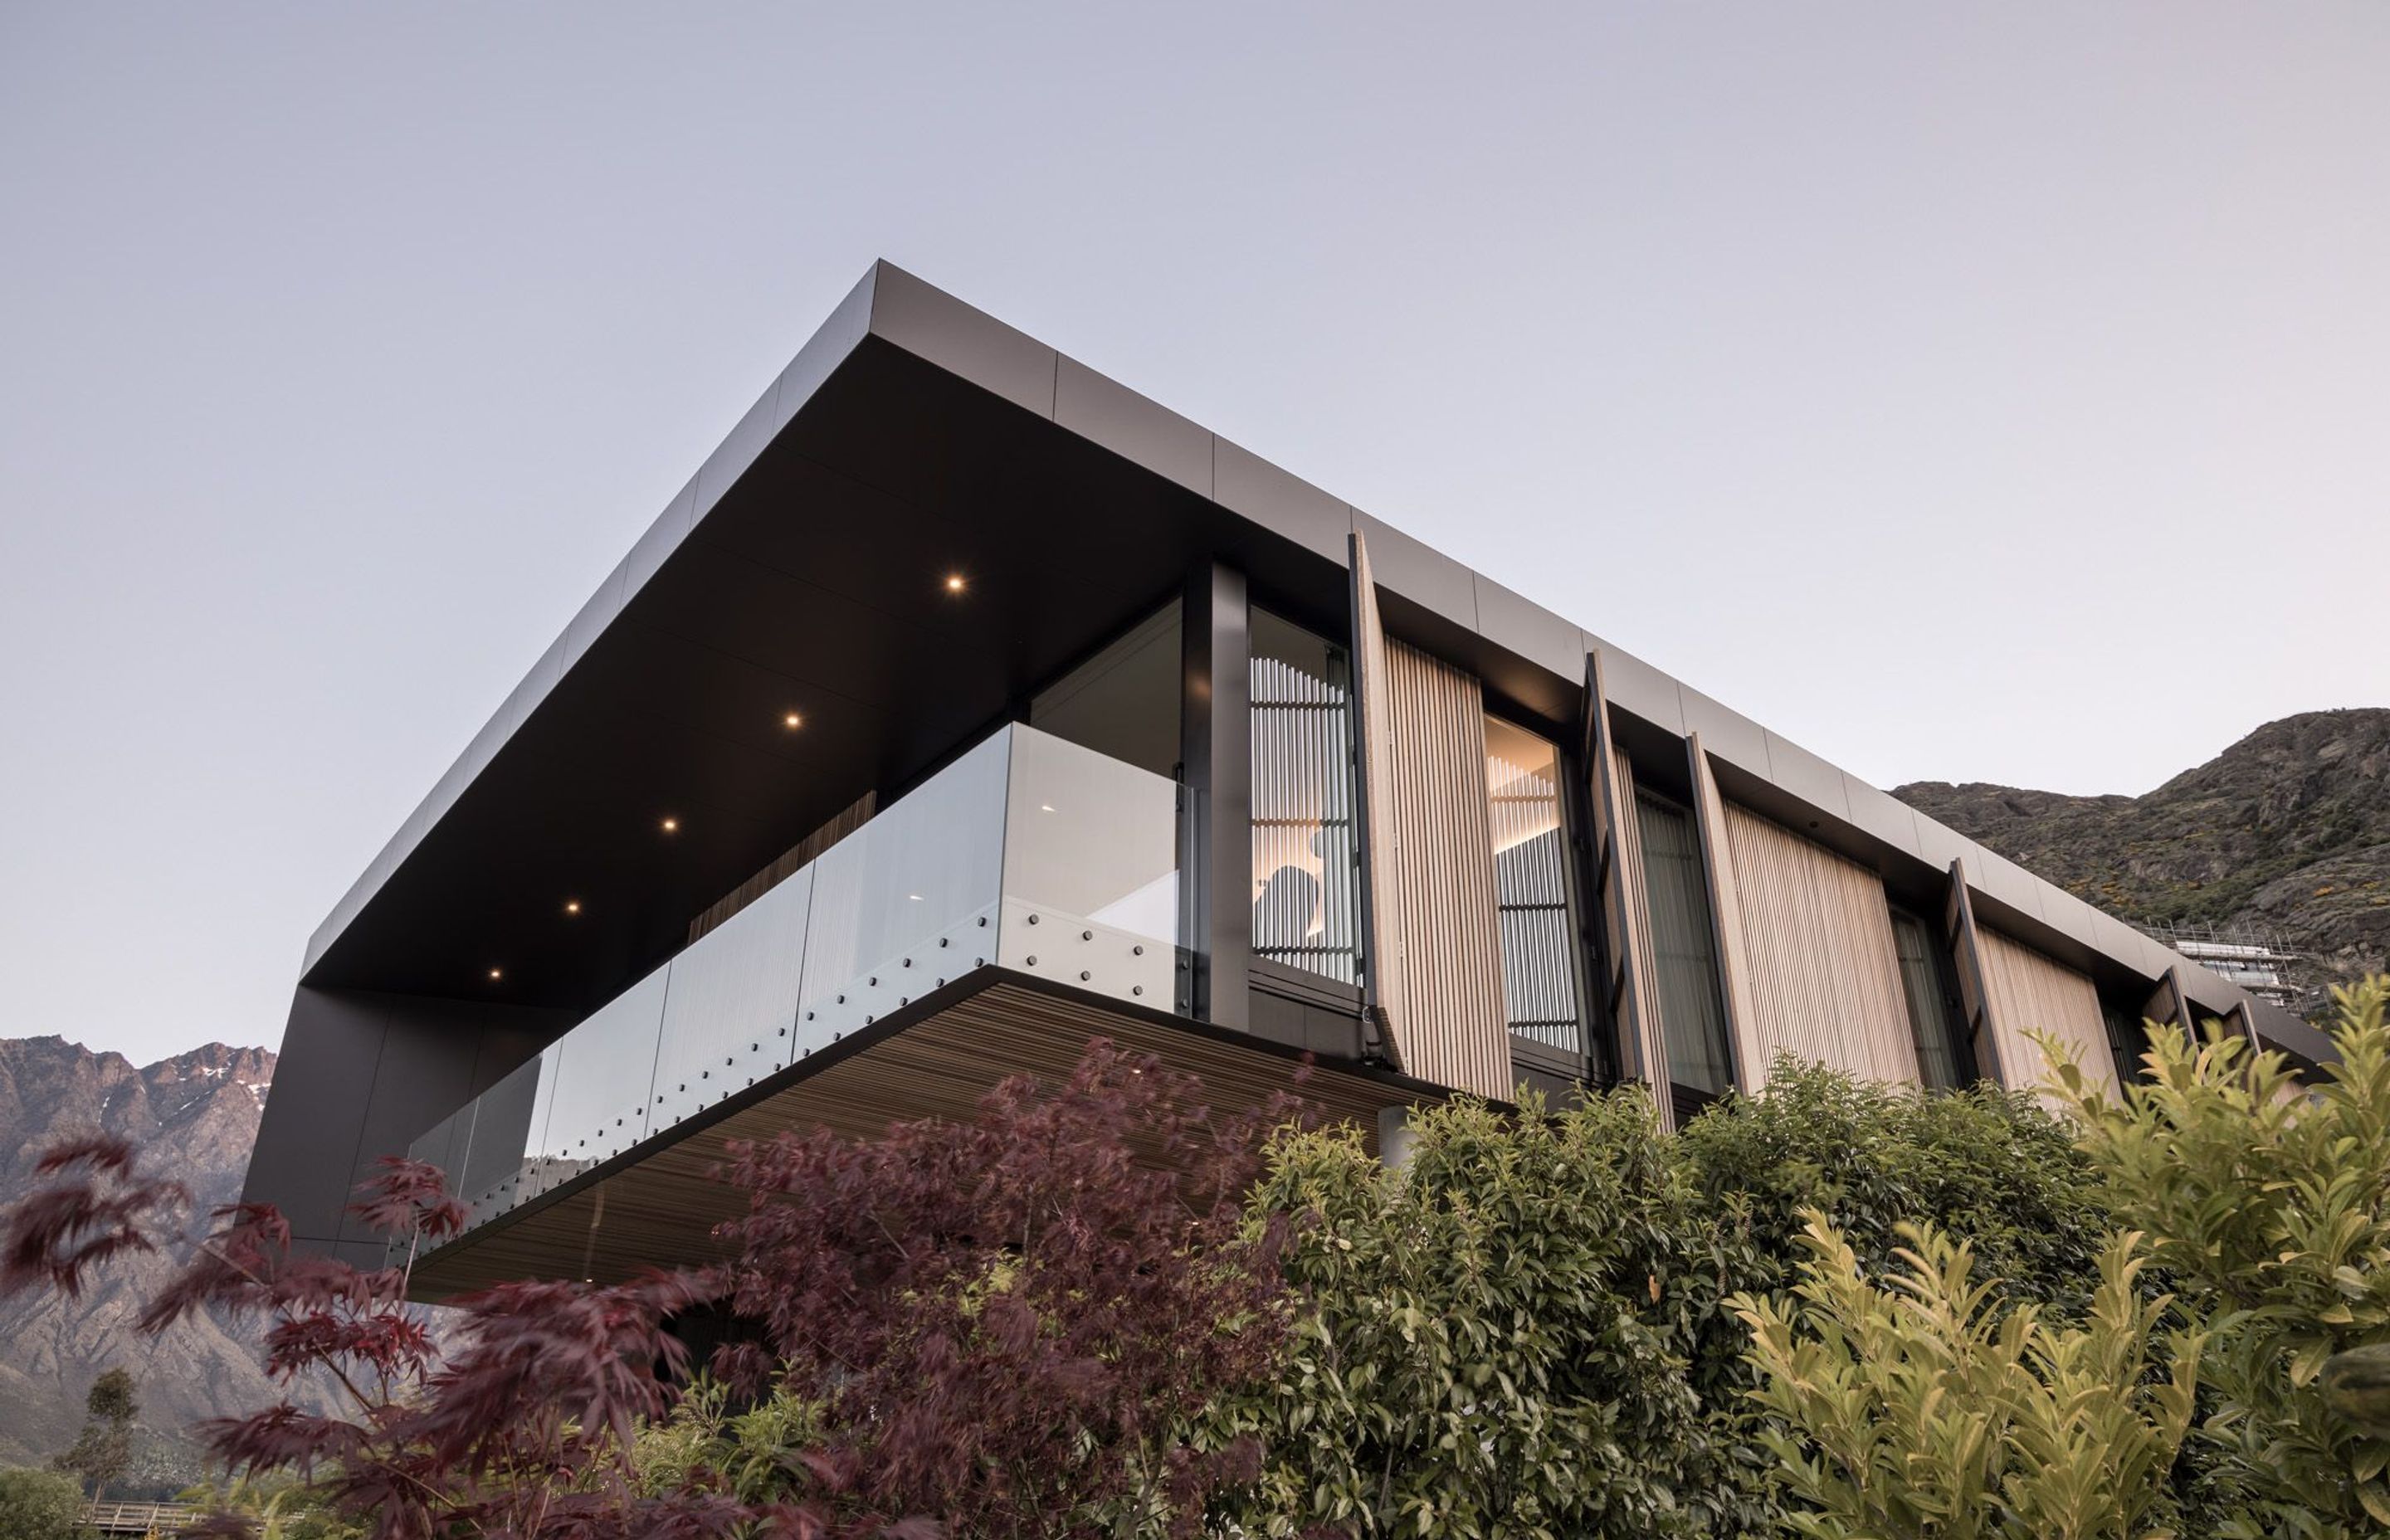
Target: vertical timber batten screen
[
  {"x": 1307, "y": 894},
  {"x": 1436, "y": 880},
  {"x": 2032, "y": 993},
  {"x": 1384, "y": 1005},
  {"x": 1824, "y": 980}
]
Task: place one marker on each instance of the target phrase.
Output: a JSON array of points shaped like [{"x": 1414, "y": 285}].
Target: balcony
[{"x": 1028, "y": 854}]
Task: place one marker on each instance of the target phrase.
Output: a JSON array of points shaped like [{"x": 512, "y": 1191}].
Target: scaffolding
[{"x": 2256, "y": 959}]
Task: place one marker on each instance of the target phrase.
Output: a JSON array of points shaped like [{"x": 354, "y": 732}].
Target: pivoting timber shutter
[
  {"x": 1630, "y": 990},
  {"x": 2241, "y": 1019},
  {"x": 2168, "y": 1006},
  {"x": 1959, "y": 933},
  {"x": 1381, "y": 996},
  {"x": 1710, "y": 821},
  {"x": 1824, "y": 973},
  {"x": 1439, "y": 879},
  {"x": 2031, "y": 993}
]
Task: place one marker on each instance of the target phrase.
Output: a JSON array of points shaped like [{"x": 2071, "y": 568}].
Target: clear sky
[{"x": 1967, "y": 392}]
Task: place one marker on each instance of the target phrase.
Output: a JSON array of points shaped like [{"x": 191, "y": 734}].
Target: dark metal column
[{"x": 1218, "y": 742}]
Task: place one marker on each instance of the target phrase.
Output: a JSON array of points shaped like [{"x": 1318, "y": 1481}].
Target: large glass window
[
  {"x": 1123, "y": 701},
  {"x": 1692, "y": 1015},
  {"x": 1942, "y": 1060},
  {"x": 1522, "y": 794},
  {"x": 1306, "y": 892}
]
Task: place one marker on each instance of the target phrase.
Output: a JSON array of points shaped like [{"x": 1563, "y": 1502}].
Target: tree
[
  {"x": 1921, "y": 1407},
  {"x": 40, "y": 1505},
  {"x": 1010, "y": 1325},
  {"x": 513, "y": 1430},
  {"x": 104, "y": 1449}
]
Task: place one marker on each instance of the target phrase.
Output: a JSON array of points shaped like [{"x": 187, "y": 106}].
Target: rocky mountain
[
  {"x": 196, "y": 1114},
  {"x": 2287, "y": 830}
]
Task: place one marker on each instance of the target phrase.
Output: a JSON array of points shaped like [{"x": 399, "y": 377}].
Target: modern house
[{"x": 966, "y": 705}]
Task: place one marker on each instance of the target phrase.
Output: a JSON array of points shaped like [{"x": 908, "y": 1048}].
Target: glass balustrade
[
  {"x": 1028, "y": 853},
  {"x": 1091, "y": 885}
]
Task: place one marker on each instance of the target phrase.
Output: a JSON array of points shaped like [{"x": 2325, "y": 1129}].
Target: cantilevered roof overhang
[{"x": 803, "y": 568}]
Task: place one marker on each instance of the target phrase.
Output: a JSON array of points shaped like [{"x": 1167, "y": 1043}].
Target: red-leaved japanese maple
[
  {"x": 1003, "y": 1326},
  {"x": 1012, "y": 1322}
]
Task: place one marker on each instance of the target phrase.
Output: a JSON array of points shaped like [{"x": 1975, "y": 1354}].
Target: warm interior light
[
  {"x": 793, "y": 720},
  {"x": 571, "y": 906},
  {"x": 672, "y": 826},
  {"x": 496, "y": 975},
  {"x": 953, "y": 583}
]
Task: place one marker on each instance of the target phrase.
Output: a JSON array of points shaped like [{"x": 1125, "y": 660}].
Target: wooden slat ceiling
[{"x": 661, "y": 1212}]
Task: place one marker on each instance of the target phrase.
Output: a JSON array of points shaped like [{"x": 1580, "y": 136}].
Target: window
[
  {"x": 1692, "y": 1015},
  {"x": 1539, "y": 985},
  {"x": 1123, "y": 701},
  {"x": 1944, "y": 1059},
  {"x": 2128, "y": 1040},
  {"x": 1307, "y": 889}
]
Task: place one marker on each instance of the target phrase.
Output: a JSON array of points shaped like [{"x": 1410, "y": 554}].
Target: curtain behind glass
[{"x": 1692, "y": 1014}]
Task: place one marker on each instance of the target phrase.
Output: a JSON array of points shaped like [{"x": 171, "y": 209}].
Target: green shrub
[
  {"x": 280, "y": 1506},
  {"x": 1922, "y": 1406},
  {"x": 1526, "y": 1332},
  {"x": 1496, "y": 1336},
  {"x": 1994, "y": 1168},
  {"x": 2266, "y": 1205},
  {"x": 40, "y": 1505}
]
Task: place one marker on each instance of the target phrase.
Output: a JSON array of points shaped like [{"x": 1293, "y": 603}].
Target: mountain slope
[
  {"x": 196, "y": 1116},
  {"x": 2288, "y": 829}
]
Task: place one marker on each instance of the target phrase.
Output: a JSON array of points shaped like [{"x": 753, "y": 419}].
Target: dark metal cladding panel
[
  {"x": 967, "y": 342},
  {"x": 362, "y": 1075},
  {"x": 1244, "y": 482},
  {"x": 1106, "y": 413},
  {"x": 431, "y": 1064},
  {"x": 314, "y": 1116}
]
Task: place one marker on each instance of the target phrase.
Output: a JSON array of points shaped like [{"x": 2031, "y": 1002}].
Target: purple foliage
[{"x": 1007, "y": 1323}]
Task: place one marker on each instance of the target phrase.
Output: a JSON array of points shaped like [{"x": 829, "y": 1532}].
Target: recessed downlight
[
  {"x": 495, "y": 974},
  {"x": 792, "y": 719},
  {"x": 671, "y": 825},
  {"x": 953, "y": 583},
  {"x": 571, "y": 906}
]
